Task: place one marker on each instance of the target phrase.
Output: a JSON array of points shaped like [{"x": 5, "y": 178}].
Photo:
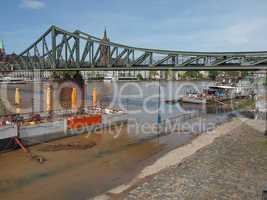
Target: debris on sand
[
  {"x": 62, "y": 147},
  {"x": 39, "y": 159}
]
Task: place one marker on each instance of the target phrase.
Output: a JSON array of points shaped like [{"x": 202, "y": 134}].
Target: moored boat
[
  {"x": 172, "y": 101},
  {"x": 213, "y": 94},
  {"x": 44, "y": 128},
  {"x": 12, "y": 80},
  {"x": 8, "y": 131},
  {"x": 193, "y": 99}
]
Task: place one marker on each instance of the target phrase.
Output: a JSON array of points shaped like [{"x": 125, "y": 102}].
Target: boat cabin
[{"x": 221, "y": 91}]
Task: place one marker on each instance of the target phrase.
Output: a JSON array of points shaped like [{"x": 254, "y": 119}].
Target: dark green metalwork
[{"x": 61, "y": 50}]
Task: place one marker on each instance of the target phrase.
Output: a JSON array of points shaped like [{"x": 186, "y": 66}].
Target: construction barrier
[{"x": 83, "y": 121}]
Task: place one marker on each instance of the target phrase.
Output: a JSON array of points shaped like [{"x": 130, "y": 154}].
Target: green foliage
[
  {"x": 139, "y": 77},
  {"x": 60, "y": 75},
  {"x": 213, "y": 74},
  {"x": 152, "y": 74},
  {"x": 244, "y": 104},
  {"x": 192, "y": 75},
  {"x": 244, "y": 74},
  {"x": 232, "y": 73},
  {"x": 74, "y": 76},
  {"x": 265, "y": 143},
  {"x": 168, "y": 74}
]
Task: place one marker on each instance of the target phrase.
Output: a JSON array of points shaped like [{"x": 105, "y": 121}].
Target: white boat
[
  {"x": 221, "y": 92},
  {"x": 193, "y": 99},
  {"x": 8, "y": 131},
  {"x": 109, "y": 77},
  {"x": 12, "y": 80},
  {"x": 214, "y": 94}
]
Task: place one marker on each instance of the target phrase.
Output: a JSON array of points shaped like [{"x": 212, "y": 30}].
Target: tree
[
  {"x": 192, "y": 75},
  {"x": 153, "y": 74},
  {"x": 74, "y": 76},
  {"x": 233, "y": 74},
  {"x": 244, "y": 74},
  {"x": 139, "y": 77},
  {"x": 213, "y": 74},
  {"x": 168, "y": 74}
]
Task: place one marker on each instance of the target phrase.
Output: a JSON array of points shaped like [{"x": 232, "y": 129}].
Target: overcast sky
[{"x": 192, "y": 25}]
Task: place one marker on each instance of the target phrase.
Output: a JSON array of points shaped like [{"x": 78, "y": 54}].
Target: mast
[{"x": 159, "y": 116}]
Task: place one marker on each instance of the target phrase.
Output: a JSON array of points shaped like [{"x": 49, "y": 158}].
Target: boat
[
  {"x": 129, "y": 78},
  {"x": 8, "y": 131},
  {"x": 191, "y": 98},
  {"x": 220, "y": 93},
  {"x": 12, "y": 80},
  {"x": 109, "y": 77},
  {"x": 213, "y": 94},
  {"x": 39, "y": 128},
  {"x": 172, "y": 101}
]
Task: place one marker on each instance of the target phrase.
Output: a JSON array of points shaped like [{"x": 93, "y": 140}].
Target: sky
[{"x": 187, "y": 25}]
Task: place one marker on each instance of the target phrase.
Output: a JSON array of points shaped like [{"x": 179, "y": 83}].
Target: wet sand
[{"x": 80, "y": 174}]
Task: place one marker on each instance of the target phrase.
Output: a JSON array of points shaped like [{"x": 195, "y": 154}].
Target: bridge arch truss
[{"x": 58, "y": 49}]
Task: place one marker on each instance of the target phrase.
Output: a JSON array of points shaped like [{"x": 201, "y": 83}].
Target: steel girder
[{"x": 58, "y": 49}]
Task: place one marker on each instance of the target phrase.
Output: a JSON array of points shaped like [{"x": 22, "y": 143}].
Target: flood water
[{"x": 113, "y": 160}]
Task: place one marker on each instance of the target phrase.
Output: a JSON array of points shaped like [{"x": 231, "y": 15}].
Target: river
[{"x": 114, "y": 160}]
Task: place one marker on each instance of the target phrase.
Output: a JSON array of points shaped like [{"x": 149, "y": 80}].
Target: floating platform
[
  {"x": 45, "y": 131},
  {"x": 194, "y": 100}
]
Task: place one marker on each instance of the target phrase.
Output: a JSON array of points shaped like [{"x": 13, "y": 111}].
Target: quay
[{"x": 232, "y": 165}]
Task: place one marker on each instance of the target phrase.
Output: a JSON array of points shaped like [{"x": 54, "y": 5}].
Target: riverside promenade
[{"x": 232, "y": 167}]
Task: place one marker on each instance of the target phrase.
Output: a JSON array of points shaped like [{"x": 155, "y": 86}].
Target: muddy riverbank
[{"x": 76, "y": 173}]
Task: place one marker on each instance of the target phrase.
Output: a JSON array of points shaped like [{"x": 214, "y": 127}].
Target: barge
[
  {"x": 193, "y": 99},
  {"x": 216, "y": 94},
  {"x": 172, "y": 101},
  {"x": 45, "y": 127},
  {"x": 7, "y": 133}
]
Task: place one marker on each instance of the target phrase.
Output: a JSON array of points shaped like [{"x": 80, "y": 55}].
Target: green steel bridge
[{"x": 60, "y": 50}]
